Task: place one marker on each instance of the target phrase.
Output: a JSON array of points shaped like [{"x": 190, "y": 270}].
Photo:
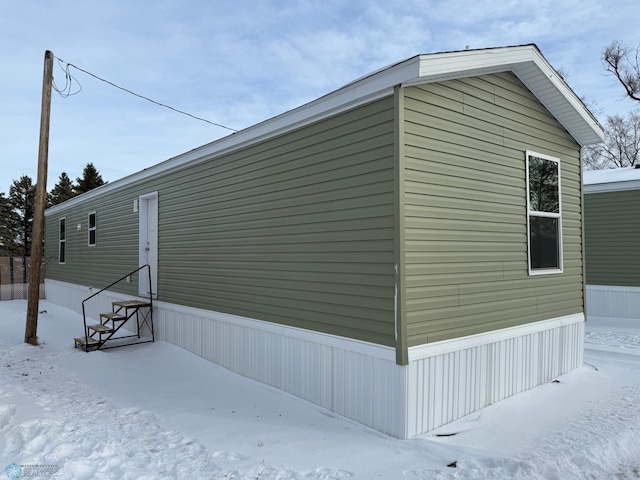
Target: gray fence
[{"x": 14, "y": 278}]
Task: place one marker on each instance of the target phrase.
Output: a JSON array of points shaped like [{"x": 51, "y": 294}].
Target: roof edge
[
  {"x": 375, "y": 85},
  {"x": 612, "y": 186}
]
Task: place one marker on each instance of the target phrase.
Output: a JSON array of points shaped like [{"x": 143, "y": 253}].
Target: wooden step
[
  {"x": 131, "y": 304},
  {"x": 88, "y": 341},
  {"x": 100, "y": 328},
  {"x": 113, "y": 316}
]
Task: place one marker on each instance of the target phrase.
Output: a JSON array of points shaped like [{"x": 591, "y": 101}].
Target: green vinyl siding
[
  {"x": 612, "y": 230},
  {"x": 116, "y": 249},
  {"x": 418, "y": 198},
  {"x": 465, "y": 232},
  {"x": 297, "y": 229}
]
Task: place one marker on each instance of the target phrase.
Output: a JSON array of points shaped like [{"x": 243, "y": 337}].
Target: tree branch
[{"x": 616, "y": 60}]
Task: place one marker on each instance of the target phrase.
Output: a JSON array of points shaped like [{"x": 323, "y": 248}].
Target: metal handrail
[{"x": 84, "y": 315}]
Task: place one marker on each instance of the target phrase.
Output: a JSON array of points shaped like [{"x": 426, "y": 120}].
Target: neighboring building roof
[
  {"x": 616, "y": 179},
  {"x": 525, "y": 61}
]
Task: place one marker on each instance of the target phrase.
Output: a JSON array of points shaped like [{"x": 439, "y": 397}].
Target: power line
[{"x": 67, "y": 92}]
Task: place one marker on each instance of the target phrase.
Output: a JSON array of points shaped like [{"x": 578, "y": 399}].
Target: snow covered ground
[{"x": 154, "y": 411}]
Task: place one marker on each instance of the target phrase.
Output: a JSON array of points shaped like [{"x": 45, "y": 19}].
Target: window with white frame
[
  {"x": 62, "y": 240},
  {"x": 91, "y": 235},
  {"x": 544, "y": 214}
]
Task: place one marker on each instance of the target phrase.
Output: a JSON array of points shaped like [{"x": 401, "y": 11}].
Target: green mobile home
[
  {"x": 402, "y": 251},
  {"x": 612, "y": 229}
]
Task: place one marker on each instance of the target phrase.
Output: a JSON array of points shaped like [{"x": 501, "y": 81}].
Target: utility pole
[{"x": 37, "y": 235}]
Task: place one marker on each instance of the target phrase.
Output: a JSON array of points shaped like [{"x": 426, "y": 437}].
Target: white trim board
[{"x": 454, "y": 345}]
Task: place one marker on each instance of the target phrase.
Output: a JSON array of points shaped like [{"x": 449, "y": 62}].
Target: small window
[
  {"x": 544, "y": 214},
  {"x": 92, "y": 229},
  {"x": 62, "y": 241}
]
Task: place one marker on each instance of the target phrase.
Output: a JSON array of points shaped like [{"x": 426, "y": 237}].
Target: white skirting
[
  {"x": 613, "y": 301},
  {"x": 361, "y": 381},
  {"x": 487, "y": 368}
]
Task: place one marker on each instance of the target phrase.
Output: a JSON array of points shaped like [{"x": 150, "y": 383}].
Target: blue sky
[{"x": 240, "y": 62}]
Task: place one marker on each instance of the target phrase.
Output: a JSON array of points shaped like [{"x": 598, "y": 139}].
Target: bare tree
[
  {"x": 621, "y": 147},
  {"x": 620, "y": 60}
]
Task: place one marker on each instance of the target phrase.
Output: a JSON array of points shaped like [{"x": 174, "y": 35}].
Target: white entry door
[{"x": 148, "y": 252}]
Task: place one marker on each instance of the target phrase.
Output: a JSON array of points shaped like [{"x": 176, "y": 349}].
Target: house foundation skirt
[{"x": 361, "y": 381}]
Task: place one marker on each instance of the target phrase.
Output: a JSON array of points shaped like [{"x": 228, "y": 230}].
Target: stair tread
[
  {"x": 131, "y": 303},
  {"x": 100, "y": 328},
  {"x": 113, "y": 316},
  {"x": 87, "y": 340}
]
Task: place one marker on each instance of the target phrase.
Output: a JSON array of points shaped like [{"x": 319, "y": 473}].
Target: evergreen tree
[
  {"x": 91, "y": 179},
  {"x": 8, "y": 222},
  {"x": 22, "y": 196},
  {"x": 62, "y": 191}
]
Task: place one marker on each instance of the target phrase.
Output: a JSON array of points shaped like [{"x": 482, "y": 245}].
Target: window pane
[
  {"x": 543, "y": 185},
  {"x": 92, "y": 220},
  {"x": 62, "y": 254},
  {"x": 544, "y": 245},
  {"x": 92, "y": 237},
  {"x": 62, "y": 229}
]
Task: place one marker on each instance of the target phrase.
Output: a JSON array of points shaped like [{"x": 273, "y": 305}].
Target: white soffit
[{"x": 525, "y": 61}]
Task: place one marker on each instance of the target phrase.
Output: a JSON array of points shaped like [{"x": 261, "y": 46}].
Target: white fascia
[
  {"x": 530, "y": 66},
  {"x": 612, "y": 186}
]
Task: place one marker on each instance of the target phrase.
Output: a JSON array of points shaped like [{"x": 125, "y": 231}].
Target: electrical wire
[{"x": 65, "y": 92}]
